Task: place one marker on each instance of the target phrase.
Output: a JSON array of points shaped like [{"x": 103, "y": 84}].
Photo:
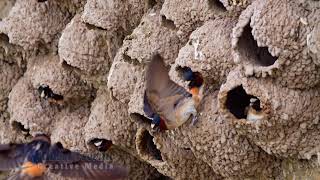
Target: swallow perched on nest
[
  {"x": 46, "y": 93},
  {"x": 166, "y": 103},
  {"x": 34, "y": 159},
  {"x": 253, "y": 111}
]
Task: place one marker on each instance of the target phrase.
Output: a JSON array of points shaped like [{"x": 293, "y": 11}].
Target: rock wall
[{"x": 94, "y": 53}]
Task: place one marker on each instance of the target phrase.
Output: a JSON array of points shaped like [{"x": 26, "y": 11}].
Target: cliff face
[{"x": 94, "y": 53}]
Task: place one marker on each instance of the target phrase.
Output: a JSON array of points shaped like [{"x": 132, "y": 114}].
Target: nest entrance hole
[
  {"x": 185, "y": 73},
  {"x": 248, "y": 46},
  {"x": 217, "y": 5},
  {"x": 99, "y": 144},
  {"x": 4, "y": 38},
  {"x": 167, "y": 22},
  {"x": 147, "y": 146},
  {"x": 238, "y": 101},
  {"x": 20, "y": 128},
  {"x": 150, "y": 3}
]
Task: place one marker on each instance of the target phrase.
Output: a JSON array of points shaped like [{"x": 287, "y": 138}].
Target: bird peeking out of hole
[
  {"x": 101, "y": 145},
  {"x": 34, "y": 159},
  {"x": 166, "y": 103},
  {"x": 47, "y": 94},
  {"x": 254, "y": 111},
  {"x": 196, "y": 83}
]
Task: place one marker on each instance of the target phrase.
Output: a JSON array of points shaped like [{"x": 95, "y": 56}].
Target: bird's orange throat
[
  {"x": 33, "y": 170},
  {"x": 194, "y": 91}
]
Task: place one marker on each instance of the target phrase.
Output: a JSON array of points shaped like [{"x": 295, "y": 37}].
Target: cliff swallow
[
  {"x": 254, "y": 112},
  {"x": 157, "y": 123},
  {"x": 196, "y": 83},
  {"x": 101, "y": 145},
  {"x": 171, "y": 102},
  {"x": 195, "y": 78},
  {"x": 34, "y": 159},
  {"x": 46, "y": 93}
]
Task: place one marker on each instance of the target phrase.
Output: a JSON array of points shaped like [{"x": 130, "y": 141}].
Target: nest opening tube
[
  {"x": 4, "y": 38},
  {"x": 100, "y": 144},
  {"x": 150, "y": 3},
  {"x": 140, "y": 118},
  {"x": 20, "y": 128},
  {"x": 238, "y": 102},
  {"x": 249, "y": 48},
  {"x": 217, "y": 5},
  {"x": 146, "y": 146}
]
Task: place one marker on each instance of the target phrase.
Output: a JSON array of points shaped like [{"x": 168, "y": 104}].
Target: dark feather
[
  {"x": 12, "y": 156},
  {"x": 147, "y": 107},
  {"x": 162, "y": 93}
]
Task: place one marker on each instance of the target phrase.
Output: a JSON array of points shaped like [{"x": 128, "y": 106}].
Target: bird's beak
[{"x": 152, "y": 126}]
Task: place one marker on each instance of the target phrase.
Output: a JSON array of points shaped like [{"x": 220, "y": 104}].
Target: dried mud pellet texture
[
  {"x": 287, "y": 124},
  {"x": 270, "y": 39},
  {"x": 207, "y": 51},
  {"x": 151, "y": 37},
  {"x": 235, "y": 5},
  {"x": 86, "y": 47},
  {"x": 186, "y": 16},
  {"x": 9, "y": 75},
  {"x": 5, "y": 7},
  {"x": 169, "y": 159},
  {"x": 313, "y": 43},
  {"x": 109, "y": 119},
  {"x": 60, "y": 78},
  {"x": 71, "y": 123},
  {"x": 31, "y": 23},
  {"x": 123, "y": 68},
  {"x": 115, "y": 16},
  {"x": 26, "y": 107}
]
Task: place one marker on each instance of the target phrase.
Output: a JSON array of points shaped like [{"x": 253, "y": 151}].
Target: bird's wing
[
  {"x": 163, "y": 94},
  {"x": 12, "y": 155},
  {"x": 147, "y": 107},
  {"x": 72, "y": 164},
  {"x": 19, "y": 176}
]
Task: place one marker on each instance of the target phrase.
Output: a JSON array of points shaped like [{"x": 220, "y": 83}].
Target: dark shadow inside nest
[
  {"x": 249, "y": 48},
  {"x": 238, "y": 100},
  {"x": 100, "y": 144},
  {"x": 151, "y": 3},
  {"x": 167, "y": 23},
  {"x": 17, "y": 126},
  {"x": 148, "y": 147},
  {"x": 4, "y": 38},
  {"x": 217, "y": 5}
]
